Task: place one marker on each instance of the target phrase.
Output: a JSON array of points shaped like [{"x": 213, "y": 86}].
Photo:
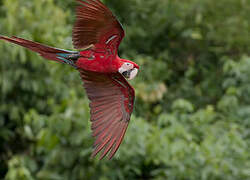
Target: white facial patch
[
  {"x": 133, "y": 73},
  {"x": 125, "y": 67}
]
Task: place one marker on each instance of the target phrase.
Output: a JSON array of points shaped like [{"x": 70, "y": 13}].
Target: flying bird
[{"x": 97, "y": 35}]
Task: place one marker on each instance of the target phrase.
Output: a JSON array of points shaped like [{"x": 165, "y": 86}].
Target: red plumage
[
  {"x": 98, "y": 33},
  {"x": 45, "y": 51},
  {"x": 111, "y": 104}
]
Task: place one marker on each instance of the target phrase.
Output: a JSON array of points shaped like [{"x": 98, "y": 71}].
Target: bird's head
[{"x": 128, "y": 69}]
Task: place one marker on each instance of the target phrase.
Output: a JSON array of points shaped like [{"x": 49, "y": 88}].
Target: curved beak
[
  {"x": 130, "y": 74},
  {"x": 133, "y": 73}
]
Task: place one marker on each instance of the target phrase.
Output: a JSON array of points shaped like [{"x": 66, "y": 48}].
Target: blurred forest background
[{"x": 192, "y": 109}]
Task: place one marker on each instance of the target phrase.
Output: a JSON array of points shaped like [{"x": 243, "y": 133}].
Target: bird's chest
[{"x": 97, "y": 61}]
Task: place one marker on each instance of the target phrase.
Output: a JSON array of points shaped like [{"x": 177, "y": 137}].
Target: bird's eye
[{"x": 127, "y": 64}]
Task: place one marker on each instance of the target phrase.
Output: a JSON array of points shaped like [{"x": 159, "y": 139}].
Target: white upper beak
[{"x": 133, "y": 73}]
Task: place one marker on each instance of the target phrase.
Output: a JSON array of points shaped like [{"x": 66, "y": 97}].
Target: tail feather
[{"x": 45, "y": 51}]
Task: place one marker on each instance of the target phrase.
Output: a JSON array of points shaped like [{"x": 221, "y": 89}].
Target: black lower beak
[{"x": 126, "y": 74}]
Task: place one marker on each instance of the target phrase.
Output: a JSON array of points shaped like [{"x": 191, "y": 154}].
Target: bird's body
[
  {"x": 100, "y": 61},
  {"x": 97, "y": 34}
]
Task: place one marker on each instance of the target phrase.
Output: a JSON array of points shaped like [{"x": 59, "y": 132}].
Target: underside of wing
[
  {"x": 95, "y": 24},
  {"x": 111, "y": 104}
]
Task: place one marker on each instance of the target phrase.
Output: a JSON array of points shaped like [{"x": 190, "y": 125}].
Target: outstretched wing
[
  {"x": 96, "y": 25},
  {"x": 111, "y": 104}
]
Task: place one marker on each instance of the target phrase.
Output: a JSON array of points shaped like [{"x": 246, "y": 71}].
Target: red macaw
[{"x": 97, "y": 34}]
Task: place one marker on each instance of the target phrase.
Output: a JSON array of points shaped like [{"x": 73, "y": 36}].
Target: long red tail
[{"x": 45, "y": 51}]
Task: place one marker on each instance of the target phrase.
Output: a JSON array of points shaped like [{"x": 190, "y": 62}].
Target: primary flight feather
[{"x": 97, "y": 34}]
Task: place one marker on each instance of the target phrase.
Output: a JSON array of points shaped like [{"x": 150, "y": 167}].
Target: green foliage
[{"x": 192, "y": 112}]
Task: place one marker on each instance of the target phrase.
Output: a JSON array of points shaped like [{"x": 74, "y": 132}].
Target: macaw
[{"x": 97, "y": 35}]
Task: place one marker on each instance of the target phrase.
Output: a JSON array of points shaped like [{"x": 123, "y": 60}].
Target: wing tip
[{"x": 110, "y": 147}]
